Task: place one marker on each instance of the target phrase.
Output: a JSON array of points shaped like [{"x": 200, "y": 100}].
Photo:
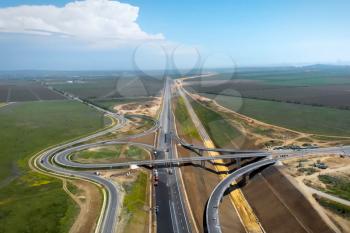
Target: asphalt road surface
[{"x": 172, "y": 215}]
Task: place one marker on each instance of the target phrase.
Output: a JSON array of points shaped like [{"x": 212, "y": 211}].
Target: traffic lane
[
  {"x": 177, "y": 202},
  {"x": 178, "y": 206},
  {"x": 164, "y": 217},
  {"x": 165, "y": 221}
]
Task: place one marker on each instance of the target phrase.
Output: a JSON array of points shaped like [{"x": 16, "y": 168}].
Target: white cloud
[{"x": 90, "y": 20}]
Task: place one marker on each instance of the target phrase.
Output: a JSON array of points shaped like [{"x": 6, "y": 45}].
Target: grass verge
[
  {"x": 182, "y": 116},
  {"x": 135, "y": 204},
  {"x": 219, "y": 129}
]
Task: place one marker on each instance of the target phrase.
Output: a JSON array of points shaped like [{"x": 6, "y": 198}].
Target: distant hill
[{"x": 325, "y": 67}]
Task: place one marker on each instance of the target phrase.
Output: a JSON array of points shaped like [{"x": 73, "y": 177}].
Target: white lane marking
[{"x": 173, "y": 215}]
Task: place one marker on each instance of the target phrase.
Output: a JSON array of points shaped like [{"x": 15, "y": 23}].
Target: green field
[
  {"x": 31, "y": 202},
  {"x": 290, "y": 76},
  {"x": 110, "y": 154},
  {"x": 304, "y": 118},
  {"x": 219, "y": 129},
  {"x": 101, "y": 87},
  {"x": 186, "y": 124}
]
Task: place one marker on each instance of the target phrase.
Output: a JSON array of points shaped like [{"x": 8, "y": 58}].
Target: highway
[{"x": 172, "y": 216}]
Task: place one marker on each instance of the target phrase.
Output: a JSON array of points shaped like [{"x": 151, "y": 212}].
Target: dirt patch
[
  {"x": 149, "y": 108},
  {"x": 147, "y": 139},
  {"x": 342, "y": 223},
  {"x": 133, "y": 126},
  {"x": 335, "y": 164},
  {"x": 89, "y": 199},
  {"x": 280, "y": 207}
]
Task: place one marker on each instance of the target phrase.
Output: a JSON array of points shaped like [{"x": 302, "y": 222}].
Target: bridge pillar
[
  {"x": 200, "y": 152},
  {"x": 238, "y": 161},
  {"x": 203, "y": 163},
  {"x": 245, "y": 178}
]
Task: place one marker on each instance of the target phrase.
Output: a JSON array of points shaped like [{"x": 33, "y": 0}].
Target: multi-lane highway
[{"x": 172, "y": 216}]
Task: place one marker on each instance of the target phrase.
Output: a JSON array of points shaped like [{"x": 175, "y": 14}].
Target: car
[
  {"x": 156, "y": 178},
  {"x": 155, "y": 183}
]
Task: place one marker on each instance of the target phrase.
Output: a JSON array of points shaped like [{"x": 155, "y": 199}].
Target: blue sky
[{"x": 256, "y": 32}]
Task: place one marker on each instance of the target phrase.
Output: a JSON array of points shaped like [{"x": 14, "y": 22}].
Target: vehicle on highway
[
  {"x": 155, "y": 183},
  {"x": 156, "y": 178}
]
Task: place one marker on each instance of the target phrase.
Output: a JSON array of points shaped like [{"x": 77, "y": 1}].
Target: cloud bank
[{"x": 90, "y": 20}]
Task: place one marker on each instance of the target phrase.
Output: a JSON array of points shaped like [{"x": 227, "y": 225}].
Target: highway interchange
[{"x": 172, "y": 216}]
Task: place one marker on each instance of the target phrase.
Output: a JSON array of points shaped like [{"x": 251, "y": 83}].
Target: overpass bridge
[
  {"x": 212, "y": 209},
  {"x": 201, "y": 149},
  {"x": 63, "y": 158}
]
